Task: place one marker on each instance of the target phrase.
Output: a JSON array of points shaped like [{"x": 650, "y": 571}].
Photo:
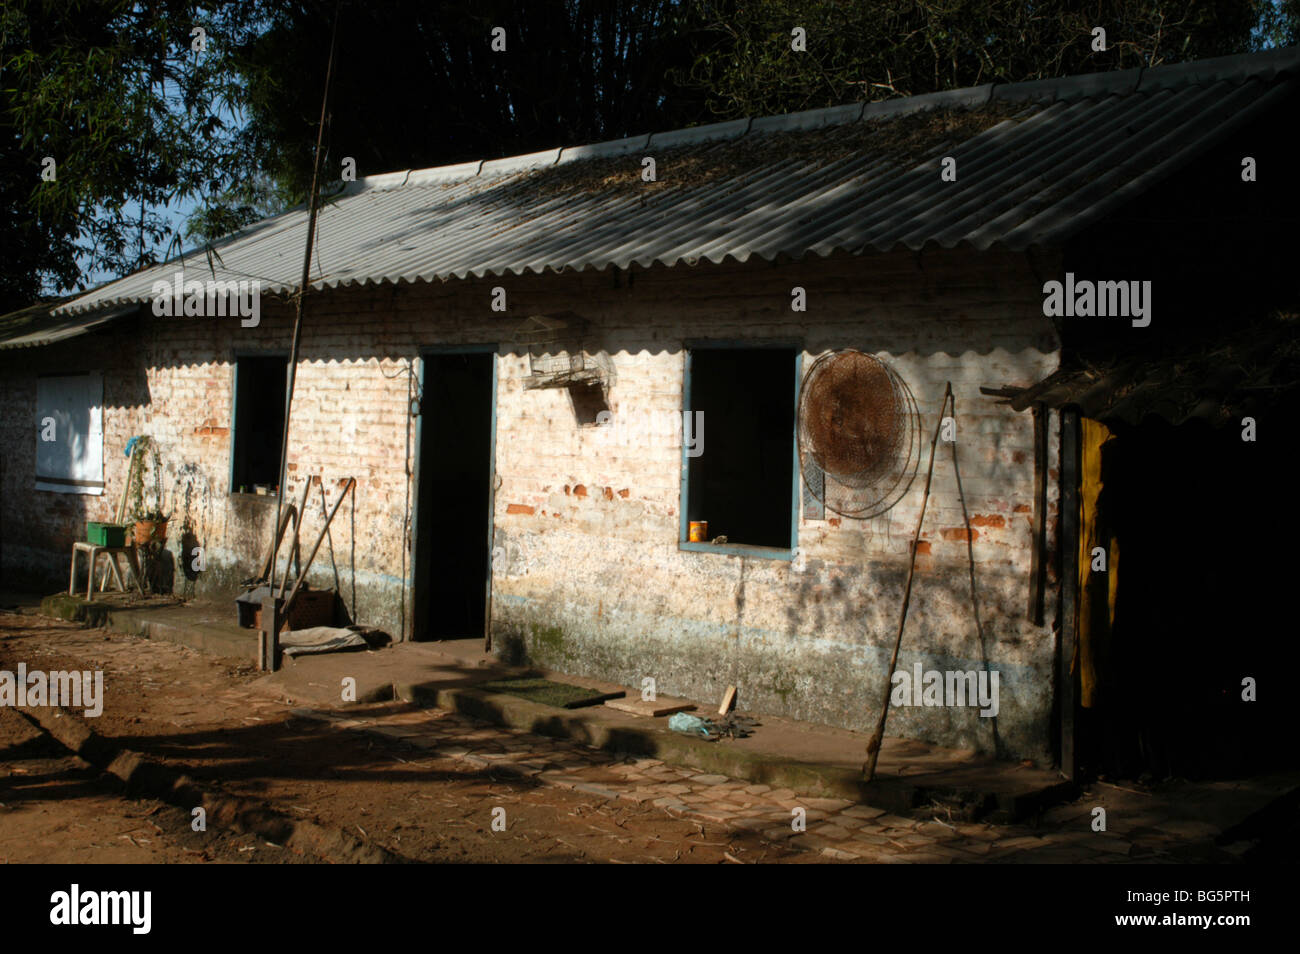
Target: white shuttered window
[{"x": 70, "y": 433}]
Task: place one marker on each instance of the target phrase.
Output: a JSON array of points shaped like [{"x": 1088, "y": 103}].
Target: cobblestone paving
[{"x": 837, "y": 828}]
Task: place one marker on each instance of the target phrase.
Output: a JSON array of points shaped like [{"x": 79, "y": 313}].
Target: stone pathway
[{"x": 836, "y": 828}]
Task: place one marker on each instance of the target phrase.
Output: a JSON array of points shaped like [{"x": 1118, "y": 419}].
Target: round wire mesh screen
[{"x": 859, "y": 434}]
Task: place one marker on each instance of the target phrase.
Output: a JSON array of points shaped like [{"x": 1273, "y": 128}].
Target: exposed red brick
[
  {"x": 989, "y": 520},
  {"x": 834, "y": 521},
  {"x": 521, "y": 508},
  {"x": 923, "y": 546},
  {"x": 567, "y": 489},
  {"x": 1022, "y": 508},
  {"x": 624, "y": 492},
  {"x": 609, "y": 493},
  {"x": 580, "y": 491},
  {"x": 959, "y": 533}
]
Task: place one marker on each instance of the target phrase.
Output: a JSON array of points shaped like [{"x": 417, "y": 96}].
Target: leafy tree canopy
[
  {"x": 136, "y": 117},
  {"x": 879, "y": 50},
  {"x": 132, "y": 117}
]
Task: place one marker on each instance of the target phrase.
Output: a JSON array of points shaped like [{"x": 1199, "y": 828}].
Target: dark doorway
[
  {"x": 260, "y": 382},
  {"x": 455, "y": 478},
  {"x": 1202, "y": 604}
]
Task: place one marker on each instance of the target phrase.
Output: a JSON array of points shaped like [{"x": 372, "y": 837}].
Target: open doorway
[
  {"x": 1201, "y": 616},
  {"x": 454, "y": 516}
]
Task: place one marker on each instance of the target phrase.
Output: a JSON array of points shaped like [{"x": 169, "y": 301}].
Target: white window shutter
[{"x": 73, "y": 462}]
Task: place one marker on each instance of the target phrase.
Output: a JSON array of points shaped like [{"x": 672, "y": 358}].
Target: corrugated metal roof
[
  {"x": 1216, "y": 381},
  {"x": 34, "y": 326},
  {"x": 1036, "y": 162}
]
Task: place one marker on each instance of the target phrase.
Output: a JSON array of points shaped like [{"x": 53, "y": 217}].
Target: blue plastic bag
[{"x": 689, "y": 724}]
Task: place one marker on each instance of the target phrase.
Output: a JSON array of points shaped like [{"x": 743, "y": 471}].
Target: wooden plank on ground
[
  {"x": 662, "y": 706},
  {"x": 595, "y": 700},
  {"x": 728, "y": 700}
]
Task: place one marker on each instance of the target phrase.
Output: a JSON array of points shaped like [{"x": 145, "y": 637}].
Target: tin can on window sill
[{"x": 699, "y": 531}]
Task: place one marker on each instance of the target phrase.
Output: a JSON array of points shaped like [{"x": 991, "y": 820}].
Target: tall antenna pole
[{"x": 297, "y": 322}]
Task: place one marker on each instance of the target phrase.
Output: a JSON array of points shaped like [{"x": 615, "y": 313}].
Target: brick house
[{"x": 553, "y": 520}]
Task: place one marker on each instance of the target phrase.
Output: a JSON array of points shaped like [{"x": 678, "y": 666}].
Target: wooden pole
[
  {"x": 302, "y": 288},
  {"x": 297, "y": 532},
  {"x": 265, "y": 575},
  {"x": 329, "y": 535},
  {"x": 877, "y": 737},
  {"x": 1067, "y": 679}
]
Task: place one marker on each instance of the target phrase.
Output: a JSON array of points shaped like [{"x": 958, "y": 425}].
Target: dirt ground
[
  {"x": 427, "y": 785},
  {"x": 194, "y": 710}
]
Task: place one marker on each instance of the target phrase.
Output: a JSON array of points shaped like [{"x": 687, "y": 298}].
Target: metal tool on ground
[{"x": 349, "y": 484}]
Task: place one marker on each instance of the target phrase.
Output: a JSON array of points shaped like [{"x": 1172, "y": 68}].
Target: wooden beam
[
  {"x": 1067, "y": 693},
  {"x": 1038, "y": 558}
]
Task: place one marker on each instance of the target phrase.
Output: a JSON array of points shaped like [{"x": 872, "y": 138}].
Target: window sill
[{"x": 738, "y": 549}]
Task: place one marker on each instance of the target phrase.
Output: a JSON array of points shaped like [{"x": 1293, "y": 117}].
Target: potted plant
[{"x": 147, "y": 510}]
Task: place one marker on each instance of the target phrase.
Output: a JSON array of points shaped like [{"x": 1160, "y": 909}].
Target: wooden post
[
  {"x": 1066, "y": 679},
  {"x": 268, "y": 641},
  {"x": 1038, "y": 560}
]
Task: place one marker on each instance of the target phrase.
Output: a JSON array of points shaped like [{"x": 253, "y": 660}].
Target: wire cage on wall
[{"x": 559, "y": 355}]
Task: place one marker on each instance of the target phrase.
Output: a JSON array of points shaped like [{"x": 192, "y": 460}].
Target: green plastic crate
[{"x": 105, "y": 534}]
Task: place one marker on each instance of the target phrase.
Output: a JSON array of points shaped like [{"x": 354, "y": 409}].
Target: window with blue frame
[
  {"x": 743, "y": 482},
  {"x": 260, "y": 385}
]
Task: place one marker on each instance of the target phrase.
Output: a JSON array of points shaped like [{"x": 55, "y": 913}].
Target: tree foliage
[
  {"x": 878, "y": 50},
  {"x": 417, "y": 83},
  {"x": 133, "y": 118}
]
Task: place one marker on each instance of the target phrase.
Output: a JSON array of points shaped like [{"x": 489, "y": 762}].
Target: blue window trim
[
  {"x": 236, "y": 354},
  {"x": 738, "y": 549}
]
